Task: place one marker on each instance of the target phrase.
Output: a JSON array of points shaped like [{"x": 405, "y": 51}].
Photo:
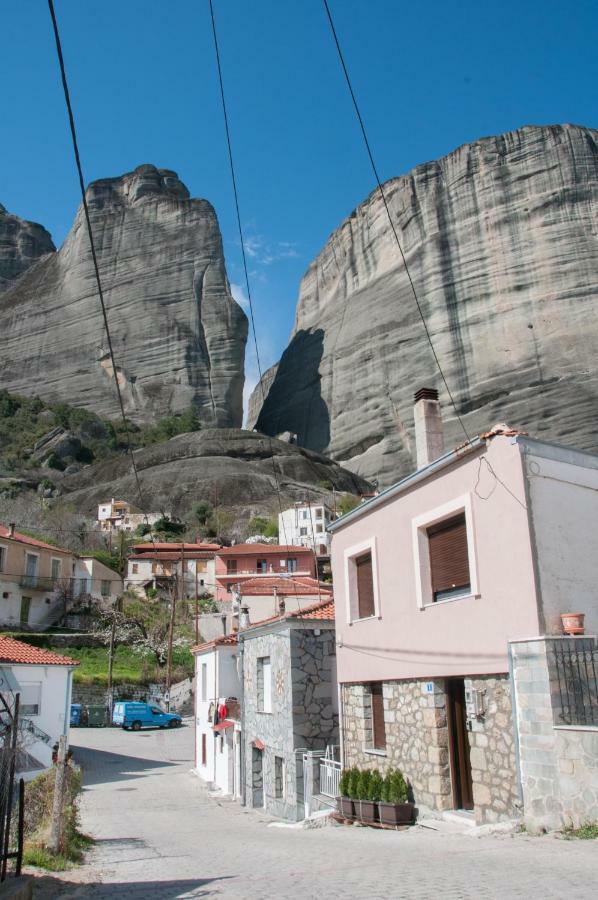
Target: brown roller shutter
[
  {"x": 365, "y": 586},
  {"x": 378, "y": 726},
  {"x": 449, "y": 559}
]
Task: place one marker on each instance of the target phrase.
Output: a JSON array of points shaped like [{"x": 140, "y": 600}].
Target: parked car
[{"x": 142, "y": 715}]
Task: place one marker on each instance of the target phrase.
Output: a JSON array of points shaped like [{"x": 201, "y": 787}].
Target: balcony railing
[
  {"x": 271, "y": 570},
  {"x": 71, "y": 587},
  {"x": 41, "y": 582}
]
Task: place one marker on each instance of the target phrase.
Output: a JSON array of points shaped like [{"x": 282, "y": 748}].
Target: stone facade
[
  {"x": 417, "y": 742},
  {"x": 559, "y": 763},
  {"x": 303, "y": 712}
]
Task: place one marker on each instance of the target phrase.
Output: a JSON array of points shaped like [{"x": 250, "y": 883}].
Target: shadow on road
[
  {"x": 103, "y": 767},
  {"x": 48, "y": 887}
]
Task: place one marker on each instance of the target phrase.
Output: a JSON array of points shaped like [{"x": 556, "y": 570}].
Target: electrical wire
[{"x": 388, "y": 213}]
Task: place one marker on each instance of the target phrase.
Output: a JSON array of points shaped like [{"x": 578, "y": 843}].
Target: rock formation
[
  {"x": 21, "y": 244},
  {"x": 178, "y": 335},
  {"x": 230, "y": 468},
  {"x": 501, "y": 240}
]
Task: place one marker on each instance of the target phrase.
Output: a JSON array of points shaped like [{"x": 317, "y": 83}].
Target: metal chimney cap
[{"x": 425, "y": 393}]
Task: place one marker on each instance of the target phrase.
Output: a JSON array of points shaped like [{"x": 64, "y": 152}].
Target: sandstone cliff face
[
  {"x": 21, "y": 244},
  {"x": 501, "y": 239},
  {"x": 231, "y": 468},
  {"x": 178, "y": 335}
]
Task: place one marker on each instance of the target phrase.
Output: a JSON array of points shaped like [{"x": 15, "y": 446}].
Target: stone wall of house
[
  {"x": 303, "y": 713},
  {"x": 558, "y": 761},
  {"x": 492, "y": 752},
  {"x": 97, "y": 694},
  {"x": 417, "y": 742}
]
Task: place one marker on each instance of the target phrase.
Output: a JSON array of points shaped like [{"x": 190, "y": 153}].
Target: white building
[
  {"x": 44, "y": 683},
  {"x": 94, "y": 578},
  {"x": 119, "y": 515},
  {"x": 217, "y": 715},
  {"x": 158, "y": 565},
  {"x": 304, "y": 525}
]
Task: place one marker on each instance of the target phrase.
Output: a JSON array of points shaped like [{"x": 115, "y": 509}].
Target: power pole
[
  {"x": 56, "y": 825},
  {"x": 173, "y": 599},
  {"x": 110, "y": 667}
]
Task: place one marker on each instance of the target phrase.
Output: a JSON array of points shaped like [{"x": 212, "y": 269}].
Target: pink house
[
  {"x": 434, "y": 579},
  {"x": 244, "y": 562}
]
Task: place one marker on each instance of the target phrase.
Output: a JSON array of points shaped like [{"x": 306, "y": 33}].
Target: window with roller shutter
[
  {"x": 378, "y": 724},
  {"x": 449, "y": 558},
  {"x": 365, "y": 586}
]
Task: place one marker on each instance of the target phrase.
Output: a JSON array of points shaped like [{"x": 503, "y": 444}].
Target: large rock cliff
[
  {"x": 178, "y": 335},
  {"x": 501, "y": 240},
  {"x": 21, "y": 244}
]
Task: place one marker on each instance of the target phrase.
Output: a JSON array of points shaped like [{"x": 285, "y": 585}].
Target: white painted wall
[
  {"x": 562, "y": 488},
  {"x": 299, "y": 526},
  {"x": 214, "y": 684},
  {"x": 55, "y": 686}
]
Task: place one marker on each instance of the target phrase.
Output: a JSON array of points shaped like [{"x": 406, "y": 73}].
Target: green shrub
[
  {"x": 344, "y": 784},
  {"x": 363, "y": 785},
  {"x": 353, "y": 785},
  {"x": 398, "y": 790},
  {"x": 376, "y": 784}
]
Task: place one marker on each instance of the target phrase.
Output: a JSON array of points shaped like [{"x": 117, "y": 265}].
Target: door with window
[
  {"x": 25, "y": 610},
  {"x": 30, "y": 570},
  {"x": 458, "y": 744}
]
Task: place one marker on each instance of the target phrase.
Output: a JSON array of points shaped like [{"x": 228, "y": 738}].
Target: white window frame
[
  {"x": 264, "y": 702},
  {"x": 37, "y": 685},
  {"x": 352, "y": 601},
  {"x": 3, "y": 556},
  {"x": 204, "y": 682},
  {"x": 421, "y": 552},
  {"x": 55, "y": 559}
]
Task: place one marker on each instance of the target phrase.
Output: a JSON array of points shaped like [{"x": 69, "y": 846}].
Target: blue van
[{"x": 142, "y": 715}]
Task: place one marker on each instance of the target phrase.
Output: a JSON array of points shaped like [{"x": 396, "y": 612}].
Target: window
[
  {"x": 105, "y": 588},
  {"x": 262, "y": 566},
  {"x": 449, "y": 558},
  {"x": 135, "y": 568},
  {"x": 304, "y": 514},
  {"x": 378, "y": 726},
  {"x": 319, "y": 527},
  {"x": 279, "y": 777},
  {"x": 55, "y": 569},
  {"x": 2, "y": 558},
  {"x": 319, "y": 512},
  {"x": 201, "y": 565},
  {"x": 231, "y": 566},
  {"x": 291, "y": 565},
  {"x": 31, "y": 698},
  {"x": 264, "y": 684},
  {"x": 204, "y": 681},
  {"x": 303, "y": 532},
  {"x": 30, "y": 570},
  {"x": 365, "y": 586}
]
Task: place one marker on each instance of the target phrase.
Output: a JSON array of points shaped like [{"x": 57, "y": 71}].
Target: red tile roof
[
  {"x": 255, "y": 549},
  {"x": 166, "y": 557},
  {"x": 174, "y": 545},
  {"x": 12, "y": 651},
  {"x": 300, "y": 584},
  {"x": 227, "y": 640},
  {"x": 33, "y": 542},
  {"x": 317, "y": 611}
]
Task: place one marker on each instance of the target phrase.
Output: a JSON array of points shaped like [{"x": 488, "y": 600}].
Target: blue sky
[{"x": 429, "y": 77}]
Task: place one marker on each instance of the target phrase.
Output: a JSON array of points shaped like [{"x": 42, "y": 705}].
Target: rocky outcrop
[
  {"x": 232, "y": 469},
  {"x": 178, "y": 335},
  {"x": 501, "y": 240},
  {"x": 21, "y": 244}
]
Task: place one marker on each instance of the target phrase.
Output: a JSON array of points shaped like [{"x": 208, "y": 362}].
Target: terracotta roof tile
[
  {"x": 255, "y": 549},
  {"x": 301, "y": 584},
  {"x": 317, "y": 611},
  {"x": 227, "y": 640},
  {"x": 13, "y": 651},
  {"x": 171, "y": 546},
  {"x": 33, "y": 542}
]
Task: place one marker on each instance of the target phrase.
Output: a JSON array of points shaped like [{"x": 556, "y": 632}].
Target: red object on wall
[{"x": 222, "y": 711}]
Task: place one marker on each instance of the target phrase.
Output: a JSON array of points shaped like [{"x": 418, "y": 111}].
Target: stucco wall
[
  {"x": 54, "y": 711},
  {"x": 468, "y": 635}
]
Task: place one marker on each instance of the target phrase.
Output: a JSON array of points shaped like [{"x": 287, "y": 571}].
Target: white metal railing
[{"x": 330, "y": 773}]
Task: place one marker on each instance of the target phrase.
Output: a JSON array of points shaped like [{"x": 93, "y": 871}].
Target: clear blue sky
[{"x": 429, "y": 77}]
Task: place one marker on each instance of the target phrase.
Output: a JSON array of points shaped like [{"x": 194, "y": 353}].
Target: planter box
[
  {"x": 346, "y": 807},
  {"x": 367, "y": 810},
  {"x": 396, "y": 813}
]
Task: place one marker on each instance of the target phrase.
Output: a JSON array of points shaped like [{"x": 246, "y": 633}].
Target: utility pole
[
  {"x": 110, "y": 667},
  {"x": 55, "y": 841}
]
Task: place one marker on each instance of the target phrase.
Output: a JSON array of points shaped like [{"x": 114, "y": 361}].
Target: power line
[
  {"x": 92, "y": 244},
  {"x": 390, "y": 219}
]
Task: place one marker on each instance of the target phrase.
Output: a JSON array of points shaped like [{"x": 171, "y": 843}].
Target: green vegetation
[
  {"x": 262, "y": 525},
  {"x": 586, "y": 832},
  {"x": 346, "y": 503},
  {"x": 130, "y": 665},
  {"x": 39, "y": 795},
  {"x": 25, "y": 420}
]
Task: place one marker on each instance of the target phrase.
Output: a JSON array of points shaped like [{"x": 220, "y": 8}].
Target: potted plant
[
  {"x": 573, "y": 623},
  {"x": 395, "y": 808},
  {"x": 346, "y": 805},
  {"x": 376, "y": 783},
  {"x": 365, "y": 808}
]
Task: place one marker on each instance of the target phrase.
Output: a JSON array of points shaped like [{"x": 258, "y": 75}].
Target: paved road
[{"x": 159, "y": 835}]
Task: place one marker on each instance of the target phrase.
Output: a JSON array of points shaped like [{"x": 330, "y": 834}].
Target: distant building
[
  {"x": 119, "y": 515},
  {"x": 161, "y": 564},
  {"x": 304, "y": 525},
  {"x": 242, "y": 562},
  {"x": 92, "y": 577}
]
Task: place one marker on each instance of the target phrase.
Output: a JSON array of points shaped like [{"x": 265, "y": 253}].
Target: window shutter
[
  {"x": 449, "y": 558},
  {"x": 378, "y": 726},
  {"x": 365, "y": 586}
]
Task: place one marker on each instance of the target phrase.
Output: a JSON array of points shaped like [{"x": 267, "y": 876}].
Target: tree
[
  {"x": 346, "y": 503},
  {"x": 169, "y": 529},
  {"x": 262, "y": 525},
  {"x": 202, "y": 511}
]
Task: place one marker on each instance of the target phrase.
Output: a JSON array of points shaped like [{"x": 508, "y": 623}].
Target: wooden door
[
  {"x": 459, "y": 744},
  {"x": 25, "y": 609}
]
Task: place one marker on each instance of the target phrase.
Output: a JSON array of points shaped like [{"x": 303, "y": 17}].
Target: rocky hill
[
  {"x": 230, "y": 468},
  {"x": 501, "y": 240},
  {"x": 178, "y": 335}
]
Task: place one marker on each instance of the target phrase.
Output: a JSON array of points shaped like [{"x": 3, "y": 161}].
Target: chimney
[
  {"x": 11, "y": 529},
  {"x": 244, "y": 618},
  {"x": 429, "y": 437}
]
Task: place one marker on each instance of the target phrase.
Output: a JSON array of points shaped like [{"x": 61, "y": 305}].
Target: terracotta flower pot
[
  {"x": 573, "y": 623},
  {"x": 396, "y": 813},
  {"x": 346, "y": 807}
]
